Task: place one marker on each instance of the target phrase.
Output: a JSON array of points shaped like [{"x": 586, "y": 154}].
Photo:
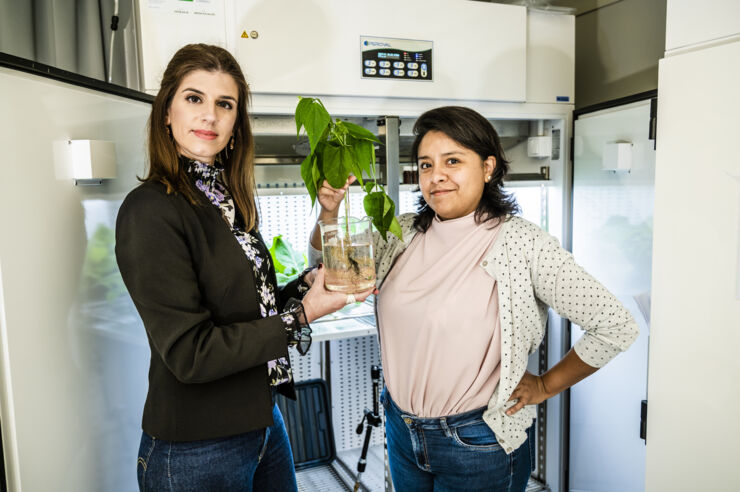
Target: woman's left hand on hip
[{"x": 530, "y": 391}]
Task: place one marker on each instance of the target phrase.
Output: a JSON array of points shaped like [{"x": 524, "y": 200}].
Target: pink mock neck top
[{"x": 438, "y": 321}]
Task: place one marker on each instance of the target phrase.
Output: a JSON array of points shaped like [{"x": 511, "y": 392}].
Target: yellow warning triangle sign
[{"x": 245, "y": 35}]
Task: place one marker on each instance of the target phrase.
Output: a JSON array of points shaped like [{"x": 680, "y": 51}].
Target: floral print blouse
[{"x": 209, "y": 180}]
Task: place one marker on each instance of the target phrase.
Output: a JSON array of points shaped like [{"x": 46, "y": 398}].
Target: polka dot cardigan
[{"x": 533, "y": 273}]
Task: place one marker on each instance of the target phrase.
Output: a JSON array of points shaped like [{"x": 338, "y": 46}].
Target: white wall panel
[{"x": 693, "y": 429}]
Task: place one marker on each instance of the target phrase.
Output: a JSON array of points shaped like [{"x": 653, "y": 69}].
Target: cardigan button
[{"x": 485, "y": 263}]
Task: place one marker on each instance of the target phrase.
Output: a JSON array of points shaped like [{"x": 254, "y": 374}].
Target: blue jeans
[
  {"x": 259, "y": 460},
  {"x": 454, "y": 453}
]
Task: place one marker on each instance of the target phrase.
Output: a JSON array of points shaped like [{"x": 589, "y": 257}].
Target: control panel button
[
  {"x": 397, "y": 64},
  {"x": 412, "y": 66},
  {"x": 385, "y": 71},
  {"x": 398, "y": 73},
  {"x": 413, "y": 73},
  {"x": 370, "y": 71},
  {"x": 384, "y": 63},
  {"x": 370, "y": 63}
]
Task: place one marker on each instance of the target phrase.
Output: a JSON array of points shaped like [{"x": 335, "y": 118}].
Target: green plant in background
[
  {"x": 288, "y": 262},
  {"x": 101, "y": 279},
  {"x": 338, "y": 149},
  {"x": 619, "y": 236}
]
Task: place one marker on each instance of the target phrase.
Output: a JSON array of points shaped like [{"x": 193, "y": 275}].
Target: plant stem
[
  {"x": 348, "y": 238},
  {"x": 372, "y": 174},
  {"x": 346, "y": 212}
]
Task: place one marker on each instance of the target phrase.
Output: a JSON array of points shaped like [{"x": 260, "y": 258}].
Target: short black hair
[{"x": 471, "y": 130}]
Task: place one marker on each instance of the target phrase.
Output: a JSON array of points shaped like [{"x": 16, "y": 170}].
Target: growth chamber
[{"x": 380, "y": 65}]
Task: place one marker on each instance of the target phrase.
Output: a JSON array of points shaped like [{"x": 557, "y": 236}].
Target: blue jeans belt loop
[{"x": 445, "y": 427}]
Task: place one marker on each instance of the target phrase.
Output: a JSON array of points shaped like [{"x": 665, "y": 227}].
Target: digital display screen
[{"x": 396, "y": 59}]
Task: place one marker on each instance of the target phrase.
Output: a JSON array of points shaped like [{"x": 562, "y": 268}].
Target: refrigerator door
[
  {"x": 612, "y": 240},
  {"x": 693, "y": 427}
]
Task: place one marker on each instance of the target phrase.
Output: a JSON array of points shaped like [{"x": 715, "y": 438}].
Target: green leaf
[
  {"x": 395, "y": 228},
  {"x": 373, "y": 203},
  {"x": 389, "y": 213},
  {"x": 311, "y": 115},
  {"x": 368, "y": 186},
  {"x": 317, "y": 177},
  {"x": 307, "y": 167},
  {"x": 359, "y": 132},
  {"x": 283, "y": 279},
  {"x": 354, "y": 160},
  {"x": 337, "y": 164},
  {"x": 381, "y": 208},
  {"x": 287, "y": 260},
  {"x": 300, "y": 111},
  {"x": 365, "y": 156},
  {"x": 388, "y": 205},
  {"x": 349, "y": 162},
  {"x": 339, "y": 131}
]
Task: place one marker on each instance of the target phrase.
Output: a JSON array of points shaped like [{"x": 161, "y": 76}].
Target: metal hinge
[
  {"x": 653, "y": 130},
  {"x": 643, "y": 420},
  {"x": 572, "y": 147}
]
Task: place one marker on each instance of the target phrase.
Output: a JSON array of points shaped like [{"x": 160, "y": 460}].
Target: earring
[
  {"x": 488, "y": 178},
  {"x": 231, "y": 144},
  {"x": 169, "y": 130}
]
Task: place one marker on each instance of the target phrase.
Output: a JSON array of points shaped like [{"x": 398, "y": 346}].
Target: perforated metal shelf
[{"x": 320, "y": 479}]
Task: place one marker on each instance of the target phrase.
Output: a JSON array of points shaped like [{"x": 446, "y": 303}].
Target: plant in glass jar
[{"x": 340, "y": 149}]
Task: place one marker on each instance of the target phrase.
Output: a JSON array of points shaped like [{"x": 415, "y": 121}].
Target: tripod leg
[{"x": 362, "y": 463}]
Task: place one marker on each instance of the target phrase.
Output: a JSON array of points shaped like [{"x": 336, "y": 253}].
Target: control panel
[{"x": 391, "y": 58}]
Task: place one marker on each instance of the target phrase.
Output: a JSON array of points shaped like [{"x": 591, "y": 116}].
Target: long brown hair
[{"x": 165, "y": 165}]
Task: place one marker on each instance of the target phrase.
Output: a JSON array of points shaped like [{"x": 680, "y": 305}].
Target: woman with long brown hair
[{"x": 191, "y": 255}]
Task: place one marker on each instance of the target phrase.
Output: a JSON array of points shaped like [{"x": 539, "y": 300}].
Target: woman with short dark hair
[
  {"x": 463, "y": 302},
  {"x": 192, "y": 258}
]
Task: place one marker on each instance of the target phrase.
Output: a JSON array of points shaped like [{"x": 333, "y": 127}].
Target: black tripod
[{"x": 373, "y": 420}]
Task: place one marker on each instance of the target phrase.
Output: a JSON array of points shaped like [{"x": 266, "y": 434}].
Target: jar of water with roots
[{"x": 347, "y": 246}]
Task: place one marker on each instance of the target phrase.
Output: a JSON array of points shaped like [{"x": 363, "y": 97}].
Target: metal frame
[
  {"x": 3, "y": 483},
  {"x": 389, "y": 126},
  {"x": 541, "y": 441},
  {"x": 54, "y": 73}
]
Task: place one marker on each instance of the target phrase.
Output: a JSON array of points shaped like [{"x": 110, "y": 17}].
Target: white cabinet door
[
  {"x": 690, "y": 23},
  {"x": 612, "y": 240},
  {"x": 693, "y": 429},
  {"x": 316, "y": 49}
]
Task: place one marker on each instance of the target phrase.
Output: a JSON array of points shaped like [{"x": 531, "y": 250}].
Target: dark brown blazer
[{"x": 195, "y": 291}]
